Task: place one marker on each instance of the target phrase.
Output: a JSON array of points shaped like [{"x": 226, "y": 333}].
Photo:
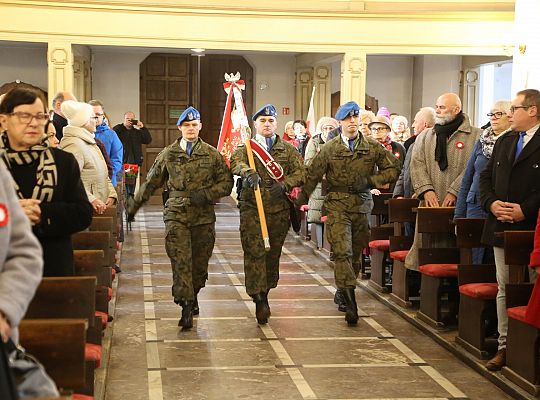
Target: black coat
[
  {"x": 59, "y": 123},
  {"x": 514, "y": 182},
  {"x": 132, "y": 140},
  {"x": 67, "y": 213}
]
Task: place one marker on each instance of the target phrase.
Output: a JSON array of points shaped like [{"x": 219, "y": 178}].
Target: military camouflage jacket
[
  {"x": 284, "y": 154},
  {"x": 343, "y": 167},
  {"x": 205, "y": 169}
]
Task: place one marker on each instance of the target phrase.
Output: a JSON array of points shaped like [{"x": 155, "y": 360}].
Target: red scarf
[{"x": 387, "y": 143}]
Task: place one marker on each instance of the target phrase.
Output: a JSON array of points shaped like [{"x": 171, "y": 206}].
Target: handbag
[
  {"x": 7, "y": 381},
  {"x": 31, "y": 379}
]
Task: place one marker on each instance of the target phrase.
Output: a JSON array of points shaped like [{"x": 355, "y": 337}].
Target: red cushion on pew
[
  {"x": 399, "y": 255},
  {"x": 92, "y": 352},
  {"x": 109, "y": 293},
  {"x": 485, "y": 290},
  {"x": 517, "y": 313},
  {"x": 382, "y": 245},
  {"x": 104, "y": 318},
  {"x": 77, "y": 396},
  {"x": 113, "y": 273},
  {"x": 439, "y": 270},
  {"x": 324, "y": 218},
  {"x": 304, "y": 208}
]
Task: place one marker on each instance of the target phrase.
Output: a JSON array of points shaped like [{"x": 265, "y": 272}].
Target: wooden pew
[
  {"x": 94, "y": 240},
  {"x": 522, "y": 341},
  {"x": 71, "y": 297},
  {"x": 59, "y": 345},
  {"x": 92, "y": 263},
  {"x": 379, "y": 245},
  {"x": 400, "y": 212},
  {"x": 478, "y": 288},
  {"x": 438, "y": 266},
  {"x": 518, "y": 246}
]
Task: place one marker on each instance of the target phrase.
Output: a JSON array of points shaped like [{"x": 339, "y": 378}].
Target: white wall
[
  {"x": 389, "y": 79},
  {"x": 27, "y": 64},
  {"x": 278, "y": 71},
  {"x": 441, "y": 75},
  {"x": 115, "y": 81}
]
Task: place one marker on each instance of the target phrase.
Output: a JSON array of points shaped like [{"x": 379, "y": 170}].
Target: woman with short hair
[{"x": 46, "y": 179}]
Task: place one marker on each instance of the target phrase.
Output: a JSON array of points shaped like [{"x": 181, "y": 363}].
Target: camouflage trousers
[
  {"x": 189, "y": 249},
  {"x": 261, "y": 267},
  {"x": 348, "y": 234}
]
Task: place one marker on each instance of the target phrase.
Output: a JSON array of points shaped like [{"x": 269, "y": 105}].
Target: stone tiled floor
[{"x": 307, "y": 351}]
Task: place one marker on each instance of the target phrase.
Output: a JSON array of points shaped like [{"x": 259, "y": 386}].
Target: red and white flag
[
  {"x": 234, "y": 117},
  {"x": 310, "y": 119}
]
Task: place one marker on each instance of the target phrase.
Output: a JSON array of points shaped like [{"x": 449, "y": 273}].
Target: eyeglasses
[
  {"x": 99, "y": 115},
  {"x": 328, "y": 128},
  {"x": 497, "y": 115},
  {"x": 95, "y": 118},
  {"x": 381, "y": 129},
  {"x": 26, "y": 118},
  {"x": 514, "y": 108}
]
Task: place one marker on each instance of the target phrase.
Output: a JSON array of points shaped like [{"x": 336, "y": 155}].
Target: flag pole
[{"x": 257, "y": 191}]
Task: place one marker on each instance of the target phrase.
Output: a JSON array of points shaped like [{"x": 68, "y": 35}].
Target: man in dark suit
[{"x": 510, "y": 193}]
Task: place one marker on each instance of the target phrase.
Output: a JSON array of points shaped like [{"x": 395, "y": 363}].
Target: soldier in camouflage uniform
[
  {"x": 261, "y": 267},
  {"x": 196, "y": 176},
  {"x": 349, "y": 162}
]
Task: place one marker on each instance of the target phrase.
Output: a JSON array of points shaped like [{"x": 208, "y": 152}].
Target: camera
[{"x": 134, "y": 121}]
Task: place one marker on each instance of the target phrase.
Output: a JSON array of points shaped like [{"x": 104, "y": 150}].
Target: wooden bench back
[
  {"x": 435, "y": 219},
  {"x": 448, "y": 255},
  {"x": 66, "y": 297},
  {"x": 401, "y": 210},
  {"x": 518, "y": 246},
  {"x": 103, "y": 224},
  {"x": 469, "y": 232},
  {"x": 92, "y": 263},
  {"x": 380, "y": 204},
  {"x": 59, "y": 345},
  {"x": 94, "y": 240}
]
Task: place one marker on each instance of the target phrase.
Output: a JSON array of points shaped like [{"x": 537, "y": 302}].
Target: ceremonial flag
[
  {"x": 310, "y": 119},
  {"x": 234, "y": 117}
]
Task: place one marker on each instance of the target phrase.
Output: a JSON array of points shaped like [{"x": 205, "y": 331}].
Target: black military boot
[
  {"x": 186, "y": 321},
  {"x": 196, "y": 303},
  {"x": 262, "y": 311},
  {"x": 340, "y": 300},
  {"x": 351, "y": 314},
  {"x": 266, "y": 301}
]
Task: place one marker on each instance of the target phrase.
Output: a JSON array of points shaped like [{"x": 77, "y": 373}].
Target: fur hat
[{"x": 76, "y": 113}]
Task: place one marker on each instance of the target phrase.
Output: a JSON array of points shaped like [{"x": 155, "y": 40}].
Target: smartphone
[{"x": 134, "y": 121}]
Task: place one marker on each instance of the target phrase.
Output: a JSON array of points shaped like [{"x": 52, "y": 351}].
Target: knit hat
[
  {"x": 324, "y": 121},
  {"x": 384, "y": 112},
  {"x": 77, "y": 114}
]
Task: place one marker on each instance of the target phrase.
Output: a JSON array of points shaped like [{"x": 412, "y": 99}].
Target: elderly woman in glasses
[
  {"x": 46, "y": 179},
  {"x": 79, "y": 139},
  {"x": 468, "y": 202}
]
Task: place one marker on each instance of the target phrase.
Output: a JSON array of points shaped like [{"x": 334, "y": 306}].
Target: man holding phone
[{"x": 133, "y": 135}]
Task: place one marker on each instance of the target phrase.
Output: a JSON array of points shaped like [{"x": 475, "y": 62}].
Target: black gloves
[
  {"x": 252, "y": 180},
  {"x": 277, "y": 190},
  {"x": 361, "y": 184},
  {"x": 198, "y": 198}
]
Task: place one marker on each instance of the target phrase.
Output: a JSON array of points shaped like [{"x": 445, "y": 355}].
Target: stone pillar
[
  {"x": 60, "y": 61},
  {"x": 353, "y": 78},
  {"x": 304, "y": 87},
  {"x": 322, "y": 80}
]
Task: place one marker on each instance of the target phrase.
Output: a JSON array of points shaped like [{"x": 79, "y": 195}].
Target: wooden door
[
  {"x": 213, "y": 97},
  {"x": 166, "y": 91}
]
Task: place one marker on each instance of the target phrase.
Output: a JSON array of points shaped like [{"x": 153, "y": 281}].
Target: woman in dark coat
[{"x": 47, "y": 180}]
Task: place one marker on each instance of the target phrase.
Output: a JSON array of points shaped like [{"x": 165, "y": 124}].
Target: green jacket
[
  {"x": 284, "y": 154},
  {"x": 205, "y": 169},
  {"x": 342, "y": 168}
]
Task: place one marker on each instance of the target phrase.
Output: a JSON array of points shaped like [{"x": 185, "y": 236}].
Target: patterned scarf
[
  {"x": 47, "y": 175},
  {"x": 387, "y": 143},
  {"x": 487, "y": 140}
]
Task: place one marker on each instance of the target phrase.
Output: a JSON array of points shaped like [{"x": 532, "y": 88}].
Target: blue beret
[
  {"x": 268, "y": 110},
  {"x": 348, "y": 109},
  {"x": 190, "y": 114}
]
